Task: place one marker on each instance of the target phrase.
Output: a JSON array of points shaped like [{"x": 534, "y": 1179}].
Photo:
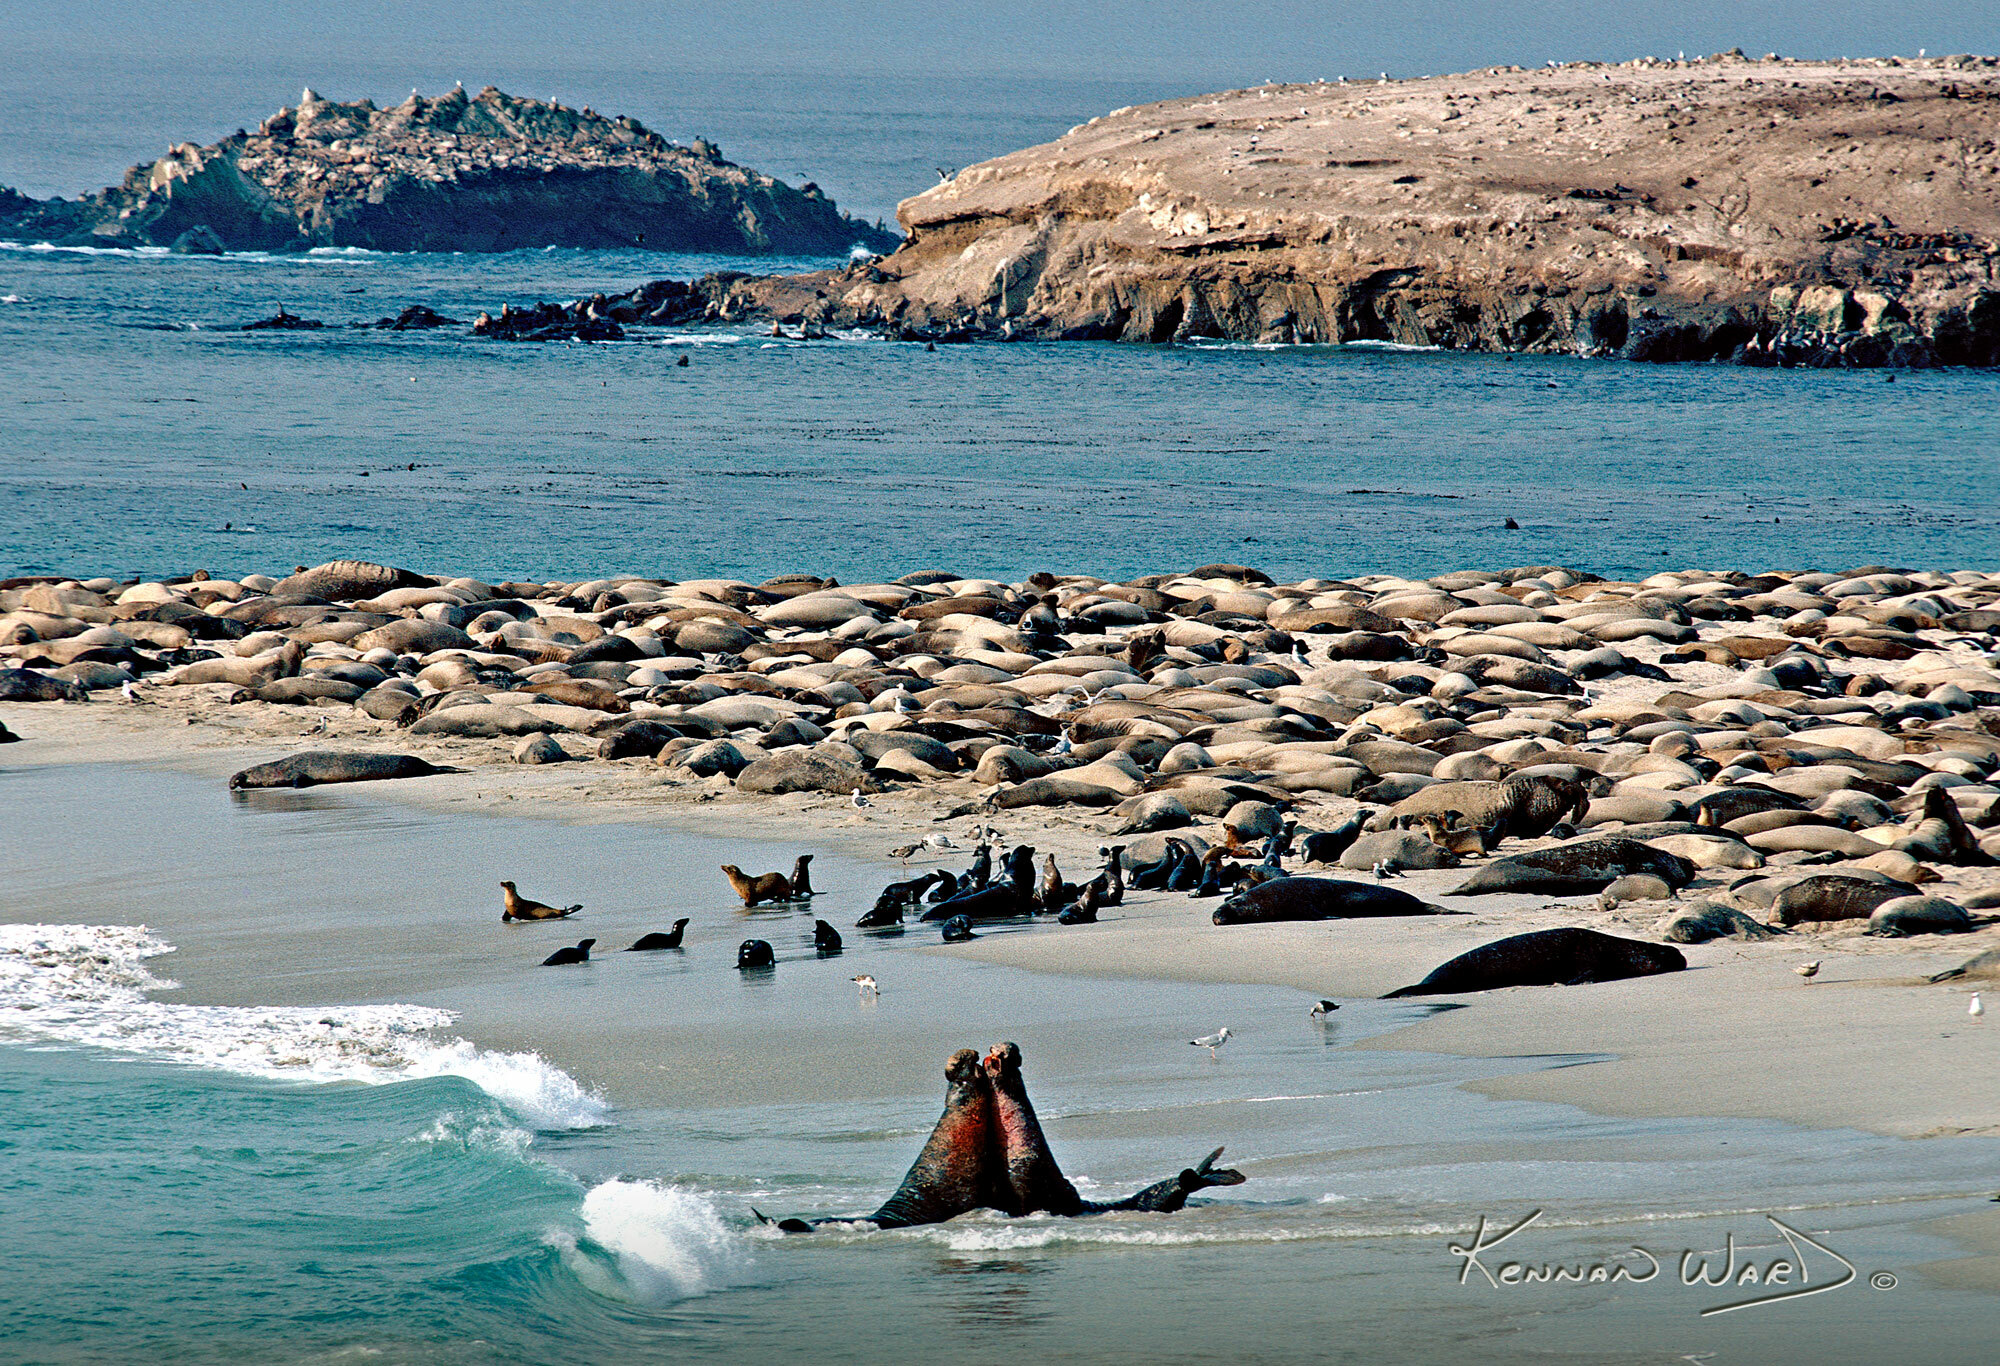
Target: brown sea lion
[
  {"x": 514, "y": 906},
  {"x": 758, "y": 887}
]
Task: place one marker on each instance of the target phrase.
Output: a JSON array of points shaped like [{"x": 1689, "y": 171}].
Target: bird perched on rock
[
  {"x": 565, "y": 957},
  {"x": 1212, "y": 1041},
  {"x": 1808, "y": 970}
]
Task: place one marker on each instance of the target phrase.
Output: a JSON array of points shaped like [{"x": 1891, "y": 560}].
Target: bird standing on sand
[
  {"x": 858, "y": 801},
  {"x": 1385, "y": 869},
  {"x": 1976, "y": 1010},
  {"x": 130, "y": 691},
  {"x": 1212, "y": 1041},
  {"x": 1322, "y": 1009},
  {"x": 867, "y": 985},
  {"x": 1808, "y": 970}
]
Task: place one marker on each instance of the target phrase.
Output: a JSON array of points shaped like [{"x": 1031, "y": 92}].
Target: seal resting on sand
[
  {"x": 514, "y": 906},
  {"x": 1544, "y": 958},
  {"x": 1588, "y": 865},
  {"x": 987, "y": 1152},
  {"x": 327, "y": 766},
  {"x": 1317, "y": 898}
]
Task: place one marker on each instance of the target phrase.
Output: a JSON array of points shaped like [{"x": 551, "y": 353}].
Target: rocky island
[
  {"x": 489, "y": 172},
  {"x": 1766, "y": 211}
]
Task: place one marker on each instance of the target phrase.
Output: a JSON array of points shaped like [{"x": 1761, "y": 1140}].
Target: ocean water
[{"x": 336, "y": 1113}]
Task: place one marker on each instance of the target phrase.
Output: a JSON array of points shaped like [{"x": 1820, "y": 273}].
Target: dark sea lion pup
[
  {"x": 1036, "y": 1185},
  {"x": 656, "y": 940},
  {"x": 754, "y": 953},
  {"x": 958, "y": 1168}
]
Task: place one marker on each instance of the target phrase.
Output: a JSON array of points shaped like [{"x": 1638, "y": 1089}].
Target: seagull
[
  {"x": 1808, "y": 970},
  {"x": 1385, "y": 869},
  {"x": 858, "y": 801},
  {"x": 1975, "y": 1010},
  {"x": 319, "y": 727},
  {"x": 867, "y": 985},
  {"x": 1212, "y": 1041},
  {"x": 1299, "y": 648},
  {"x": 131, "y": 691},
  {"x": 902, "y": 853},
  {"x": 1321, "y": 1009},
  {"x": 1064, "y": 745},
  {"x": 906, "y": 703},
  {"x": 938, "y": 841}
]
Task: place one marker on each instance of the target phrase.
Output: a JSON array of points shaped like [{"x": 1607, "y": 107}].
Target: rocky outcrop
[
  {"x": 458, "y": 173},
  {"x": 1768, "y": 212}
]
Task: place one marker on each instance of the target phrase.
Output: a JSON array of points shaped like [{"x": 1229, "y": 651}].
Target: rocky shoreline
[
  {"x": 487, "y": 172},
  {"x": 1769, "y": 213}
]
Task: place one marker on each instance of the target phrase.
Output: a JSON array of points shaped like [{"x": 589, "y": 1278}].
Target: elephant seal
[
  {"x": 327, "y": 766},
  {"x": 1317, "y": 898},
  {"x": 1833, "y": 897},
  {"x": 1981, "y": 966},
  {"x": 1034, "y": 1183},
  {"x": 514, "y": 906},
  {"x": 957, "y": 1170},
  {"x": 1704, "y": 921},
  {"x": 1907, "y": 915},
  {"x": 656, "y": 940},
  {"x": 754, "y": 953},
  {"x": 564, "y": 957},
  {"x": 1587, "y": 865},
  {"x": 1562, "y": 957}
]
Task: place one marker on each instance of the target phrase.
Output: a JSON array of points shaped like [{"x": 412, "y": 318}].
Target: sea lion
[
  {"x": 327, "y": 766},
  {"x": 1587, "y": 865},
  {"x": 1830, "y": 896},
  {"x": 957, "y": 1170},
  {"x": 760, "y": 887},
  {"x": 956, "y": 930},
  {"x": 1033, "y": 1181},
  {"x": 802, "y": 878},
  {"x": 1563, "y": 957},
  {"x": 565, "y": 957},
  {"x": 1326, "y": 846},
  {"x": 826, "y": 939},
  {"x": 1317, "y": 898},
  {"x": 754, "y": 953},
  {"x": 1704, "y": 921},
  {"x": 656, "y": 940},
  {"x": 514, "y": 906}
]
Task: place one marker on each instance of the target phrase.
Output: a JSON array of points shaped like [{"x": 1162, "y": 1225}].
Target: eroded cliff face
[
  {"x": 1766, "y": 211},
  {"x": 457, "y": 173}
]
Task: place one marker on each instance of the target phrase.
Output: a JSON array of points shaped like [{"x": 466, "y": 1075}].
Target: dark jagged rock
[{"x": 457, "y": 173}]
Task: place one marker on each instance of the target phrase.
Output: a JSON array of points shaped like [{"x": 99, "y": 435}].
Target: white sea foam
[
  {"x": 666, "y": 1242},
  {"x": 87, "y": 985}
]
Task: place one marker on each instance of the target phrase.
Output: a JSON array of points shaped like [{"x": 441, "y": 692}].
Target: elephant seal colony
[{"x": 1760, "y": 765}]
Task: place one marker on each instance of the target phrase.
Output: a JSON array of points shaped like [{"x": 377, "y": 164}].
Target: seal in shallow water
[
  {"x": 656, "y": 940},
  {"x": 514, "y": 906},
  {"x": 564, "y": 957},
  {"x": 327, "y": 766},
  {"x": 1563, "y": 957},
  {"x": 1034, "y": 1183}
]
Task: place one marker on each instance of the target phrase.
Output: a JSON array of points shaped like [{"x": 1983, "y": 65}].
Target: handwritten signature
[{"x": 1639, "y": 1266}]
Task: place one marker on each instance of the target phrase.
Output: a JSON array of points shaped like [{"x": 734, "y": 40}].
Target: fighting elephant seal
[
  {"x": 1584, "y": 866},
  {"x": 1317, "y": 898},
  {"x": 1564, "y": 957},
  {"x": 1034, "y": 1181},
  {"x": 319, "y": 766}
]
